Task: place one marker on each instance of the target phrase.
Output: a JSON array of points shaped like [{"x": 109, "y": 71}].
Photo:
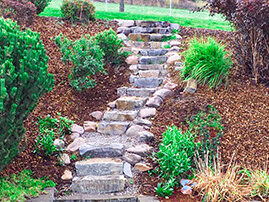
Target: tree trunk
[{"x": 121, "y": 5}]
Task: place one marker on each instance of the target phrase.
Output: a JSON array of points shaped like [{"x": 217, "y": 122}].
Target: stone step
[
  {"x": 147, "y": 82},
  {"x": 94, "y": 150},
  {"x": 98, "y": 198},
  {"x": 149, "y": 73},
  {"x": 152, "y": 52},
  {"x": 112, "y": 127},
  {"x": 159, "y": 30},
  {"x": 130, "y": 103},
  {"x": 151, "y": 37},
  {"x": 98, "y": 184},
  {"x": 117, "y": 115},
  {"x": 139, "y": 92},
  {"x": 152, "y": 67},
  {"x": 149, "y": 45},
  {"x": 148, "y": 60},
  {"x": 144, "y": 23},
  {"x": 99, "y": 167}
]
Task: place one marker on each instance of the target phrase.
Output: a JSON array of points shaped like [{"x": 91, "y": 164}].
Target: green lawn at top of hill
[{"x": 135, "y": 12}]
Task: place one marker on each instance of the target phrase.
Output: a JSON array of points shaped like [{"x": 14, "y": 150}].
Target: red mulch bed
[{"x": 243, "y": 107}]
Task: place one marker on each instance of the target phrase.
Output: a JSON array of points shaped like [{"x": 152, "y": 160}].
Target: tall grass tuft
[{"x": 207, "y": 62}]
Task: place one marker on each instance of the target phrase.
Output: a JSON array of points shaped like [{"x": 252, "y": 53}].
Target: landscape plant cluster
[
  {"x": 251, "y": 21},
  {"x": 88, "y": 56}
]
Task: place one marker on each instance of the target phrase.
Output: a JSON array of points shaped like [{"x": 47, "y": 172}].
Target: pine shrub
[
  {"x": 40, "y": 5},
  {"x": 206, "y": 62},
  {"x": 23, "y": 80},
  {"x": 78, "y": 10}
]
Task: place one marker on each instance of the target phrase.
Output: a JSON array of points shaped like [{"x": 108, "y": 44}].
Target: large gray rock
[
  {"x": 131, "y": 158},
  {"x": 149, "y": 73},
  {"x": 142, "y": 150},
  {"x": 112, "y": 128},
  {"x": 127, "y": 169},
  {"x": 152, "y": 52},
  {"x": 191, "y": 86},
  {"x": 142, "y": 122},
  {"x": 147, "y": 112},
  {"x": 134, "y": 130},
  {"x": 89, "y": 126},
  {"x": 147, "y": 82},
  {"x": 97, "y": 115},
  {"x": 101, "y": 151},
  {"x": 122, "y": 36},
  {"x": 163, "y": 93},
  {"x": 146, "y": 136},
  {"x": 77, "y": 129},
  {"x": 155, "y": 101},
  {"x": 140, "y": 92},
  {"x": 122, "y": 91},
  {"x": 126, "y": 23},
  {"x": 130, "y": 103},
  {"x": 138, "y": 30},
  {"x": 74, "y": 146},
  {"x": 146, "y": 60},
  {"x": 99, "y": 167},
  {"x": 98, "y": 184},
  {"x": 120, "y": 115},
  {"x": 124, "y": 30},
  {"x": 175, "y": 43}
]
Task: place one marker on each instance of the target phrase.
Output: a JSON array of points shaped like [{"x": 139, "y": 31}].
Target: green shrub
[
  {"x": 206, "y": 62},
  {"x": 22, "y": 186},
  {"x": 23, "y": 80},
  {"x": 110, "y": 43},
  {"x": 78, "y": 10},
  {"x": 40, "y": 5},
  {"x": 175, "y": 157},
  {"x": 21, "y": 11},
  {"x": 86, "y": 57},
  {"x": 50, "y": 129}
]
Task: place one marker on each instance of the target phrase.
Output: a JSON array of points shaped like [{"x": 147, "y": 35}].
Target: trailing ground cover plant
[
  {"x": 23, "y": 80},
  {"x": 78, "y": 10},
  {"x": 86, "y": 58},
  {"x": 110, "y": 43},
  {"x": 251, "y": 21},
  {"x": 50, "y": 129},
  {"x": 21, "y": 186},
  {"x": 207, "y": 62}
]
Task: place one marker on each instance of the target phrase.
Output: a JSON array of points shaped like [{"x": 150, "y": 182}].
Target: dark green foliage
[
  {"x": 110, "y": 43},
  {"x": 19, "y": 187},
  {"x": 251, "y": 20},
  {"x": 86, "y": 57},
  {"x": 21, "y": 11},
  {"x": 23, "y": 80},
  {"x": 40, "y": 5},
  {"x": 50, "y": 129},
  {"x": 78, "y": 10},
  {"x": 206, "y": 62}
]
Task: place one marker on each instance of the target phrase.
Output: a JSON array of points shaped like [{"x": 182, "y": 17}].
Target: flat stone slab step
[
  {"x": 149, "y": 45},
  {"x": 117, "y": 115},
  {"x": 152, "y": 52},
  {"x": 98, "y": 198},
  {"x": 160, "y": 30},
  {"x": 147, "y": 60},
  {"x": 148, "y": 82},
  {"x": 150, "y": 37},
  {"x": 138, "y": 92},
  {"x": 93, "y": 150},
  {"x": 98, "y": 184},
  {"x": 99, "y": 167},
  {"x": 112, "y": 127},
  {"x": 130, "y": 103},
  {"x": 152, "y": 67}
]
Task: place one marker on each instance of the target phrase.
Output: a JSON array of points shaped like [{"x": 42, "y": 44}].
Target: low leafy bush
[
  {"x": 21, "y": 11},
  {"x": 110, "y": 43},
  {"x": 50, "y": 129},
  {"x": 21, "y": 186},
  {"x": 24, "y": 79},
  {"x": 251, "y": 21},
  {"x": 40, "y": 5},
  {"x": 175, "y": 158},
  {"x": 86, "y": 58},
  {"x": 78, "y": 10},
  {"x": 206, "y": 62}
]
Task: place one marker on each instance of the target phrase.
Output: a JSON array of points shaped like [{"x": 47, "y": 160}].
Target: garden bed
[{"x": 244, "y": 107}]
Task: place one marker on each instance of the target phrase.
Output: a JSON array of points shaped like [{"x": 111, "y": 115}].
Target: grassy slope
[{"x": 134, "y": 12}]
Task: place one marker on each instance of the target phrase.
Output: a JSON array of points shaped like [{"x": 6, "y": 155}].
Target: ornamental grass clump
[{"x": 207, "y": 62}]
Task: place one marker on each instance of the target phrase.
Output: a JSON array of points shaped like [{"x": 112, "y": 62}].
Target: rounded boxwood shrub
[
  {"x": 78, "y": 10},
  {"x": 23, "y": 80}
]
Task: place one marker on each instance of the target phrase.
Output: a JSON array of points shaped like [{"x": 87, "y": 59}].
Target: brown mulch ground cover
[{"x": 243, "y": 107}]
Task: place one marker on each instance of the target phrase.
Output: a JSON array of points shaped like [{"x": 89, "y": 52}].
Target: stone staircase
[{"x": 120, "y": 143}]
